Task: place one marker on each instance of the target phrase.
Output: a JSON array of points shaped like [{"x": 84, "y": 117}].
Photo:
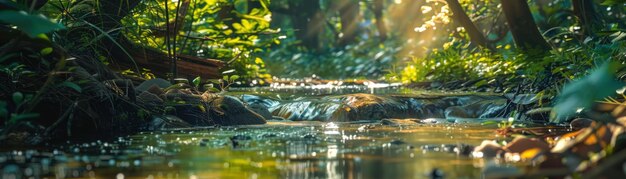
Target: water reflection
[{"x": 276, "y": 150}]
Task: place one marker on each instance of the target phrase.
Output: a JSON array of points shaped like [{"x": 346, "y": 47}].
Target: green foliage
[
  {"x": 229, "y": 30},
  {"x": 458, "y": 62},
  {"x": 12, "y": 114},
  {"x": 223, "y": 83},
  {"x": 145, "y": 73},
  {"x": 577, "y": 95},
  {"x": 30, "y": 24}
]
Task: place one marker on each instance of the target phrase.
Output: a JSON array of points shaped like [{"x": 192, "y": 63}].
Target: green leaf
[
  {"x": 234, "y": 77},
  {"x": 582, "y": 93},
  {"x": 46, "y": 51},
  {"x": 265, "y": 4},
  {"x": 72, "y": 85},
  {"x": 216, "y": 81},
  {"x": 196, "y": 81},
  {"x": 618, "y": 36},
  {"x": 214, "y": 90},
  {"x": 32, "y": 25},
  {"x": 241, "y": 6},
  {"x": 18, "y": 97},
  {"x": 490, "y": 122}
]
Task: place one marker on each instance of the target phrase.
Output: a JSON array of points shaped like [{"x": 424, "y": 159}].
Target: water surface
[{"x": 275, "y": 150}]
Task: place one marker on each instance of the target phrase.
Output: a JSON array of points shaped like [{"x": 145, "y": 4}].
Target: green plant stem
[
  {"x": 167, "y": 41},
  {"x": 193, "y": 10},
  {"x": 174, "y": 65}
]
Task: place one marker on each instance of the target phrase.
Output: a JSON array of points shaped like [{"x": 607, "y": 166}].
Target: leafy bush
[{"x": 229, "y": 30}]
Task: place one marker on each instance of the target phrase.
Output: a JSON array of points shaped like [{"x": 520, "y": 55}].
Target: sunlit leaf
[
  {"x": 46, "y": 51},
  {"x": 234, "y": 77},
  {"x": 196, "y": 81}
]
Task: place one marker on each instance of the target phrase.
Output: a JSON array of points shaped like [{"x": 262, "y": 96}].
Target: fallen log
[{"x": 160, "y": 64}]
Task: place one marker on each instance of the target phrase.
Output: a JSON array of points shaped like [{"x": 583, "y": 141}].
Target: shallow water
[
  {"x": 305, "y": 149},
  {"x": 275, "y": 150}
]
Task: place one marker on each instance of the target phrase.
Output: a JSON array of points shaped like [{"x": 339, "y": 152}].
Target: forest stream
[{"x": 316, "y": 148}]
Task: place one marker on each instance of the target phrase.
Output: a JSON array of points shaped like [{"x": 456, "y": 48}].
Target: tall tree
[
  {"x": 378, "y": 7},
  {"x": 308, "y": 21},
  {"x": 587, "y": 16},
  {"x": 349, "y": 13},
  {"x": 461, "y": 17},
  {"x": 522, "y": 26}
]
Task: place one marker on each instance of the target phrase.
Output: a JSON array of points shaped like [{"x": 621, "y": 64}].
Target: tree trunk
[
  {"x": 587, "y": 16},
  {"x": 308, "y": 21},
  {"x": 461, "y": 17},
  {"x": 380, "y": 21},
  {"x": 523, "y": 28},
  {"x": 349, "y": 13}
]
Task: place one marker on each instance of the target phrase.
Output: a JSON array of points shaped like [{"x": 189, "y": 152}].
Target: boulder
[
  {"x": 228, "y": 110},
  {"x": 151, "y": 102},
  {"x": 158, "y": 82},
  {"x": 194, "y": 114},
  {"x": 371, "y": 107},
  {"x": 263, "y": 111}
]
